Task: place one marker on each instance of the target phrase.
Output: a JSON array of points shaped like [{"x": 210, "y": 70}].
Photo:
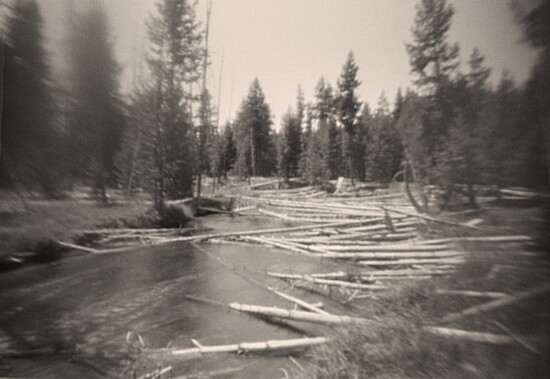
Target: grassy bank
[
  {"x": 28, "y": 226},
  {"x": 399, "y": 348}
]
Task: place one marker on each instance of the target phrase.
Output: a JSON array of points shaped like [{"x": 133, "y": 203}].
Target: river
[{"x": 70, "y": 319}]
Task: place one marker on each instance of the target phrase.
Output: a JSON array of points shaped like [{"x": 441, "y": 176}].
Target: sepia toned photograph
[{"x": 278, "y": 189}]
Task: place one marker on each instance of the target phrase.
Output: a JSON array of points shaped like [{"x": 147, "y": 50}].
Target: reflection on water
[{"x": 87, "y": 304}]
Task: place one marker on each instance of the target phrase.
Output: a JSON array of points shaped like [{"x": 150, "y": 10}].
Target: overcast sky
[{"x": 286, "y": 43}]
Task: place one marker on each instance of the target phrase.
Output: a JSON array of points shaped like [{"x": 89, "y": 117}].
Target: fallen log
[
  {"x": 261, "y": 231},
  {"x": 97, "y": 251},
  {"x": 397, "y": 262},
  {"x": 492, "y": 295},
  {"x": 407, "y": 272},
  {"x": 329, "y": 282},
  {"x": 214, "y": 210},
  {"x": 301, "y": 303},
  {"x": 469, "y": 336},
  {"x": 495, "y": 304},
  {"x": 258, "y": 185},
  {"x": 212, "y": 374},
  {"x": 433, "y": 219},
  {"x": 409, "y": 247},
  {"x": 383, "y": 255},
  {"x": 279, "y": 244},
  {"x": 243, "y": 347},
  {"x": 297, "y": 315}
]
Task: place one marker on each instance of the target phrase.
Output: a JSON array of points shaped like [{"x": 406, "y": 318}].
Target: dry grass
[
  {"x": 399, "y": 349},
  {"x": 24, "y": 228}
]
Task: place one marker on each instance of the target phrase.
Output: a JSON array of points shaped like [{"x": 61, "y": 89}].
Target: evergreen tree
[
  {"x": 97, "y": 119},
  {"x": 536, "y": 119},
  {"x": 324, "y": 111},
  {"x": 348, "y": 108},
  {"x": 432, "y": 58},
  {"x": 384, "y": 150},
  {"x": 290, "y": 145},
  {"x": 229, "y": 150},
  {"x": 434, "y": 61},
  {"x": 29, "y": 136},
  {"x": 255, "y": 150},
  {"x": 174, "y": 64}
]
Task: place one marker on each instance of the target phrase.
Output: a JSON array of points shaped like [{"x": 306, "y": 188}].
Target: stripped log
[
  {"x": 429, "y": 218},
  {"x": 221, "y": 373},
  {"x": 417, "y": 256},
  {"x": 243, "y": 347},
  {"x": 328, "y": 282},
  {"x": 407, "y": 272},
  {"x": 279, "y": 244},
  {"x": 469, "y": 336},
  {"x": 434, "y": 261},
  {"x": 301, "y": 303},
  {"x": 297, "y": 315},
  {"x": 495, "y": 304},
  {"x": 97, "y": 251},
  {"x": 387, "y": 248},
  {"x": 492, "y": 295},
  {"x": 261, "y": 231}
]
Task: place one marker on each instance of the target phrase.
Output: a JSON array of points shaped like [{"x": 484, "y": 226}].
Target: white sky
[{"x": 286, "y": 43}]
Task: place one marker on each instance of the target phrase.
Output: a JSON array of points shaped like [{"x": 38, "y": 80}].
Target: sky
[{"x": 286, "y": 43}]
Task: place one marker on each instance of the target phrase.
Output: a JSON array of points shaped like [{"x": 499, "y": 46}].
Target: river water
[{"x": 70, "y": 319}]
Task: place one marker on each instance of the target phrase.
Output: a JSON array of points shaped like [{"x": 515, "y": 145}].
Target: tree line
[{"x": 452, "y": 129}]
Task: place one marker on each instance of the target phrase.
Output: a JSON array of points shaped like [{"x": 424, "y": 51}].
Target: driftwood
[
  {"x": 421, "y": 255},
  {"x": 495, "y": 304},
  {"x": 407, "y": 272},
  {"x": 211, "y": 374},
  {"x": 214, "y": 210},
  {"x": 243, "y": 347},
  {"x": 433, "y": 261},
  {"x": 297, "y": 315},
  {"x": 469, "y": 336},
  {"x": 278, "y": 244},
  {"x": 429, "y": 218},
  {"x": 261, "y": 231},
  {"x": 492, "y": 295},
  {"x": 301, "y": 303},
  {"x": 96, "y": 251},
  {"x": 328, "y": 282},
  {"x": 409, "y": 247}
]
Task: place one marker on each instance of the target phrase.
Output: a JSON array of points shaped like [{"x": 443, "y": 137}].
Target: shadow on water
[{"x": 71, "y": 319}]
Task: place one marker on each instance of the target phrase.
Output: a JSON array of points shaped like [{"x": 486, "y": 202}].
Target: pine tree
[
  {"x": 324, "y": 111},
  {"x": 536, "y": 28},
  {"x": 432, "y": 58},
  {"x": 97, "y": 118},
  {"x": 255, "y": 150},
  {"x": 348, "y": 109},
  {"x": 29, "y": 137},
  {"x": 384, "y": 150},
  {"x": 290, "y": 145},
  {"x": 174, "y": 65},
  {"x": 229, "y": 150}
]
